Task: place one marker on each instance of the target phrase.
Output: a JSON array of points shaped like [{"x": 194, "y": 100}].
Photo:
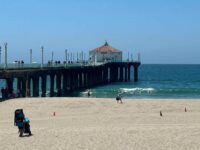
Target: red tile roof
[{"x": 106, "y": 48}]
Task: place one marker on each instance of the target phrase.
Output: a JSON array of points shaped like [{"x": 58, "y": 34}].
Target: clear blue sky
[{"x": 163, "y": 31}]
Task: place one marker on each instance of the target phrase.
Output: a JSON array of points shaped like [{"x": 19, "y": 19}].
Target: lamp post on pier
[
  {"x": 131, "y": 57},
  {"x": 77, "y": 57},
  {"x": 81, "y": 56},
  {"x": 139, "y": 57},
  {"x": 66, "y": 56},
  {"x": 5, "y": 44},
  {"x": 42, "y": 49},
  {"x": 31, "y": 58},
  {"x": 71, "y": 57},
  {"x": 128, "y": 56},
  {"x": 84, "y": 58},
  {"x": 0, "y": 54},
  {"x": 52, "y": 56}
]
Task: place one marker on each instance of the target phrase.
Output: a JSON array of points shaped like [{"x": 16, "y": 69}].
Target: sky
[{"x": 162, "y": 31}]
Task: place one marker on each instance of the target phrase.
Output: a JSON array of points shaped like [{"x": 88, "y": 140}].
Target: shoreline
[{"x": 102, "y": 98}]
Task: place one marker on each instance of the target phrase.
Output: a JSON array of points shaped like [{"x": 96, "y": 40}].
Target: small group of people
[
  {"x": 6, "y": 93},
  {"x": 118, "y": 98},
  {"x": 19, "y": 62},
  {"x": 50, "y": 62}
]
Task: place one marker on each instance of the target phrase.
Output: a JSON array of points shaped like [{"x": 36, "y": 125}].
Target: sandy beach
[{"x": 102, "y": 124}]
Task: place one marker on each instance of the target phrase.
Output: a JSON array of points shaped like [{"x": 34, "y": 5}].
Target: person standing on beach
[
  {"x": 88, "y": 93},
  {"x": 3, "y": 93}
]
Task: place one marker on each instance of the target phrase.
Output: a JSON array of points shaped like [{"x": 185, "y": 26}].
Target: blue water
[{"x": 156, "y": 81}]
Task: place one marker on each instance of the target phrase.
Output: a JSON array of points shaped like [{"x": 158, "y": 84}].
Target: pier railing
[{"x": 52, "y": 65}]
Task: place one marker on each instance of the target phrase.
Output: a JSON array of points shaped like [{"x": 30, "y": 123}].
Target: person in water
[{"x": 88, "y": 93}]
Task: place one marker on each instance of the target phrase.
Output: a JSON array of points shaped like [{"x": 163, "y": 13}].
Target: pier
[{"x": 66, "y": 79}]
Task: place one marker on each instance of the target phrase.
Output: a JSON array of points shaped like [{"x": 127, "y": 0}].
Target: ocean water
[{"x": 156, "y": 81}]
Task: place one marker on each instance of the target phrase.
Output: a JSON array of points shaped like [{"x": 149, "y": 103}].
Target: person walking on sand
[{"x": 119, "y": 99}]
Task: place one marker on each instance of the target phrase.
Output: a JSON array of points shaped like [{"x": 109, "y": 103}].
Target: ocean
[{"x": 155, "y": 81}]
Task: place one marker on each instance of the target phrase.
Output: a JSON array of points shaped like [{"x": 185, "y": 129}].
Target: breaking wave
[{"x": 137, "y": 90}]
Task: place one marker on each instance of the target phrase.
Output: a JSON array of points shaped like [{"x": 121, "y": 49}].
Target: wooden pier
[{"x": 67, "y": 79}]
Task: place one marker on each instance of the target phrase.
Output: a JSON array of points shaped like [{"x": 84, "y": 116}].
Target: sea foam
[{"x": 137, "y": 90}]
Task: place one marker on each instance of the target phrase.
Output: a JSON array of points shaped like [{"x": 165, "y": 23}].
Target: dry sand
[{"x": 102, "y": 124}]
